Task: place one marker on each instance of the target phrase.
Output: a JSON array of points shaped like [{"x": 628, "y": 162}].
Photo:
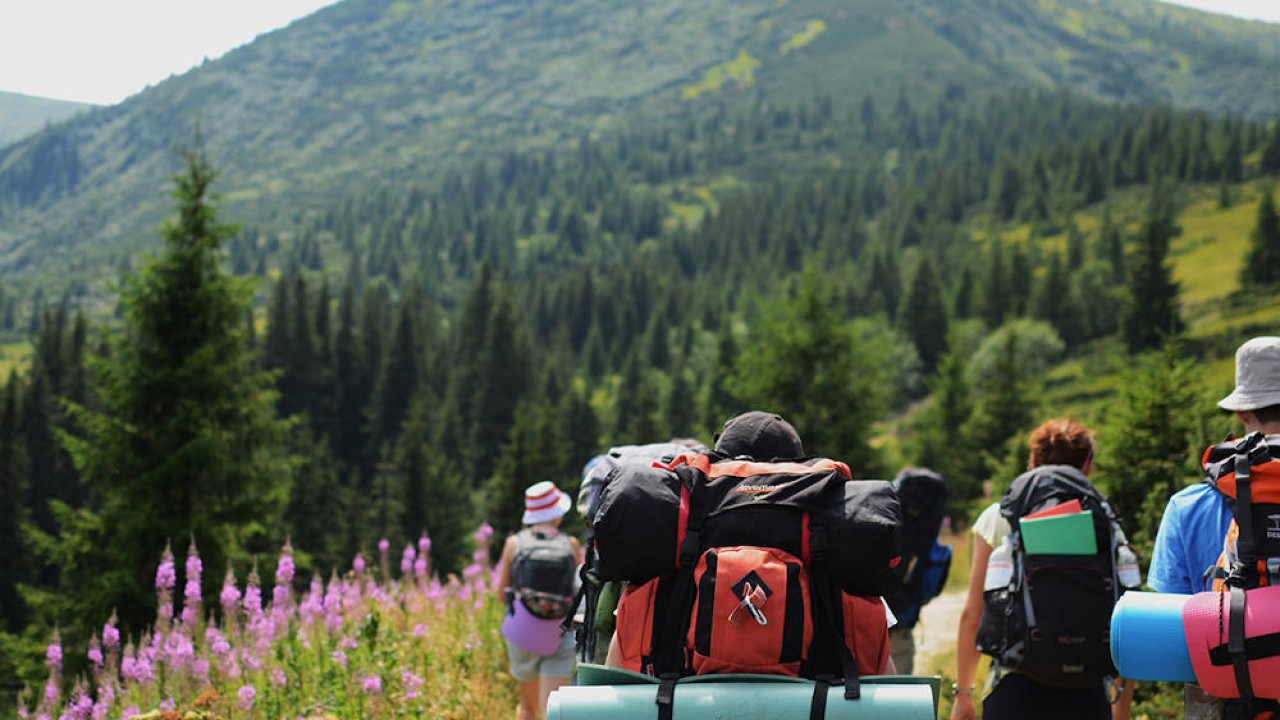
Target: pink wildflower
[
  {"x": 358, "y": 564},
  {"x": 424, "y": 544},
  {"x": 53, "y": 654},
  {"x": 110, "y": 634},
  {"x": 340, "y": 657},
  {"x": 420, "y": 630},
  {"x": 278, "y": 678},
  {"x": 246, "y": 694},
  {"x": 373, "y": 685},
  {"x": 420, "y": 567},
  {"x": 411, "y": 684},
  {"x": 94, "y": 653},
  {"x": 406, "y": 560},
  {"x": 384, "y": 545},
  {"x": 130, "y": 712},
  {"x": 483, "y": 533},
  {"x": 230, "y": 595},
  {"x": 166, "y": 576},
  {"x": 284, "y": 566}
]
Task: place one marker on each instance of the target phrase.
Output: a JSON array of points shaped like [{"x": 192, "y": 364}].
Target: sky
[{"x": 102, "y": 51}]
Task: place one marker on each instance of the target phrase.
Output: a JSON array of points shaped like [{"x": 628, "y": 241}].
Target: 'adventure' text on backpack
[
  {"x": 543, "y": 572},
  {"x": 1052, "y": 621},
  {"x": 926, "y": 562},
  {"x": 750, "y": 559}
]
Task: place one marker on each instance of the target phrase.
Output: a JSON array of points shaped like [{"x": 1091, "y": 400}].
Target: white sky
[{"x": 102, "y": 51}]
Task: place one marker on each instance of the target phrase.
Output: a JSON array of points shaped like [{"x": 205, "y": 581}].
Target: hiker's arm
[
  {"x": 504, "y": 568},
  {"x": 965, "y": 707},
  {"x": 1120, "y": 711},
  {"x": 578, "y": 555}
]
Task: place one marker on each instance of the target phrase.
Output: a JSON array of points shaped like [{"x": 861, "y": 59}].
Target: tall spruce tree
[
  {"x": 15, "y": 566},
  {"x": 923, "y": 317},
  {"x": 1148, "y": 440},
  {"x": 804, "y": 363},
  {"x": 1262, "y": 264},
  {"x": 436, "y": 502},
  {"x": 187, "y": 443},
  {"x": 1153, "y": 313}
]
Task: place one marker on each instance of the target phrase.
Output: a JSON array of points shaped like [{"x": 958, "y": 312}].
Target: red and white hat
[{"x": 543, "y": 502}]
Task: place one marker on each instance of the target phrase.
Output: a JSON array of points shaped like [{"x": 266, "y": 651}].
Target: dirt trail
[{"x": 935, "y": 634}]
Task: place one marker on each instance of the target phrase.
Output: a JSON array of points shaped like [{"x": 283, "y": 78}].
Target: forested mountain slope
[
  {"x": 21, "y": 115},
  {"x": 372, "y": 93}
]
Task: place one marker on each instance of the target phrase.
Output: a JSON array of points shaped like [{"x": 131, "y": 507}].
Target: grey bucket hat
[{"x": 1257, "y": 376}]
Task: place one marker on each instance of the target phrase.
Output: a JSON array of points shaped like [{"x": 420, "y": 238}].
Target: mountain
[
  {"x": 22, "y": 115},
  {"x": 374, "y": 93}
]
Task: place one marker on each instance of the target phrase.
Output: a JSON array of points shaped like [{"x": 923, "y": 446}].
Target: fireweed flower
[
  {"x": 406, "y": 560},
  {"x": 94, "y": 653},
  {"x": 420, "y": 567},
  {"x": 166, "y": 577},
  {"x": 340, "y": 657},
  {"x": 424, "y": 544},
  {"x": 373, "y": 685},
  {"x": 483, "y": 533},
  {"x": 358, "y": 564},
  {"x": 278, "y": 678},
  {"x": 246, "y": 693},
  {"x": 384, "y": 545},
  {"x": 110, "y": 634},
  {"x": 53, "y": 653},
  {"x": 411, "y": 683},
  {"x": 420, "y": 630}
]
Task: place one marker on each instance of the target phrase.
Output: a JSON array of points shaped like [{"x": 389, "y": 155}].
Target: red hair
[{"x": 1061, "y": 441}]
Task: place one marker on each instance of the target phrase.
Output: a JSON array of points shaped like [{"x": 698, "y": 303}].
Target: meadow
[{"x": 371, "y": 643}]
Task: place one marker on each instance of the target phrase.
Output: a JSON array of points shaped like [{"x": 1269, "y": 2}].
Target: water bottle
[
  {"x": 1127, "y": 563},
  {"x": 999, "y": 567}
]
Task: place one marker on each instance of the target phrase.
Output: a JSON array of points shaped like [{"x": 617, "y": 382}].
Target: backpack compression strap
[{"x": 667, "y": 650}]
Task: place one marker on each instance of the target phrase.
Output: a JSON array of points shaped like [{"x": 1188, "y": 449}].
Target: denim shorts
[{"x": 528, "y": 667}]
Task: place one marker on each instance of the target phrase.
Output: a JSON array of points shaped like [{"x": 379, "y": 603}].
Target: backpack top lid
[
  {"x": 1045, "y": 487},
  {"x": 759, "y": 435},
  {"x": 1219, "y": 463}
]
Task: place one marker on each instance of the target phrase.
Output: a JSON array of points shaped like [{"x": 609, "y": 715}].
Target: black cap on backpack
[{"x": 759, "y": 435}]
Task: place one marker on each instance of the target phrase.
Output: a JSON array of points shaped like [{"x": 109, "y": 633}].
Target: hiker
[
  {"x": 925, "y": 561},
  {"x": 1197, "y": 518},
  {"x": 758, "y": 436},
  {"x": 1060, "y": 459},
  {"x": 537, "y": 580}
]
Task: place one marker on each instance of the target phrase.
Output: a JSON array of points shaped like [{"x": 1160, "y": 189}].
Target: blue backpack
[{"x": 925, "y": 561}]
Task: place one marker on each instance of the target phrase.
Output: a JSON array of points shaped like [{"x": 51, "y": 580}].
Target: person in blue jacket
[{"x": 1196, "y": 519}]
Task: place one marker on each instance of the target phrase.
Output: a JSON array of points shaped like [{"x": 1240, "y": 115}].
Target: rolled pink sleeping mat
[
  {"x": 1147, "y": 641},
  {"x": 1206, "y": 621}
]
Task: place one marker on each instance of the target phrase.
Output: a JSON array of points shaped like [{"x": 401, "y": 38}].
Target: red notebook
[{"x": 1065, "y": 508}]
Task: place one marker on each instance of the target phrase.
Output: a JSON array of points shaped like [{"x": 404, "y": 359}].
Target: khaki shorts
[{"x": 529, "y": 667}]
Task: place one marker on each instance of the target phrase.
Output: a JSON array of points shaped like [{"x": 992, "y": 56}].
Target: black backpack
[
  {"x": 543, "y": 572},
  {"x": 1052, "y": 621},
  {"x": 922, "y": 494}
]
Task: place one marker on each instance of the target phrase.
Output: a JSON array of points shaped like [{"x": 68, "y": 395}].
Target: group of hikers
[{"x": 751, "y": 556}]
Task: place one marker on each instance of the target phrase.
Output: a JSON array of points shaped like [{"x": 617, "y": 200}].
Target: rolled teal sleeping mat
[
  {"x": 619, "y": 695},
  {"x": 1147, "y": 638}
]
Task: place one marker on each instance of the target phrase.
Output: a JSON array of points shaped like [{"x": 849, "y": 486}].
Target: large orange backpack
[
  {"x": 1248, "y": 473},
  {"x": 866, "y": 632}
]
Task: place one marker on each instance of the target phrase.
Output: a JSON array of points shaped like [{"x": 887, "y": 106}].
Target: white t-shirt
[{"x": 992, "y": 526}]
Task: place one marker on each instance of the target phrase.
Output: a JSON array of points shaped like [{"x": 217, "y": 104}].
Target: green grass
[
  {"x": 740, "y": 71},
  {"x": 810, "y": 33}
]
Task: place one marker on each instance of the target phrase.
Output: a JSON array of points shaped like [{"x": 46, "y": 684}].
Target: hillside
[
  {"x": 22, "y": 115},
  {"x": 370, "y": 93}
]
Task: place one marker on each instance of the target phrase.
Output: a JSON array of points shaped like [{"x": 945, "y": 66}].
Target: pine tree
[
  {"x": 1153, "y": 314},
  {"x": 804, "y": 363},
  {"x": 1149, "y": 436},
  {"x": 941, "y": 442},
  {"x": 924, "y": 315},
  {"x": 532, "y": 449},
  {"x": 436, "y": 502},
  {"x": 188, "y": 427},
  {"x": 15, "y": 565},
  {"x": 316, "y": 499},
  {"x": 1262, "y": 264},
  {"x": 1002, "y": 409}
]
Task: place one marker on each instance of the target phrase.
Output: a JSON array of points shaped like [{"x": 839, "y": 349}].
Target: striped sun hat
[{"x": 544, "y": 502}]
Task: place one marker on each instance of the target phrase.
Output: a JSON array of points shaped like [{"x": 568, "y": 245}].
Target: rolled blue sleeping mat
[
  {"x": 743, "y": 697},
  {"x": 1147, "y": 638}
]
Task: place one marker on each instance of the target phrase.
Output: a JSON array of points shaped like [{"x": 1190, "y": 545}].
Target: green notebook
[{"x": 1070, "y": 534}]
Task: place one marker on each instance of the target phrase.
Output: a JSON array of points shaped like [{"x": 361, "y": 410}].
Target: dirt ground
[{"x": 935, "y": 634}]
